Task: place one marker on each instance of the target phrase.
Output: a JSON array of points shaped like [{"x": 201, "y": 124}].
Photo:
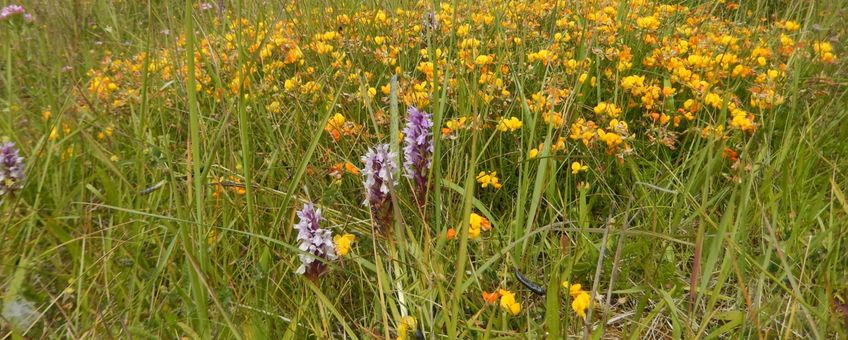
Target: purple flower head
[
  {"x": 379, "y": 170},
  {"x": 11, "y": 10},
  {"x": 418, "y": 150},
  {"x": 431, "y": 22},
  {"x": 313, "y": 240},
  {"x": 11, "y": 169}
]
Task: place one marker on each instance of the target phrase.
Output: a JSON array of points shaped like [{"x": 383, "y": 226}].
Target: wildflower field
[{"x": 601, "y": 169}]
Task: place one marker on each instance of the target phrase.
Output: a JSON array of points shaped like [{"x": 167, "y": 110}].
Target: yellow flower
[
  {"x": 544, "y": 56},
  {"x": 451, "y": 127},
  {"x": 534, "y": 152},
  {"x": 508, "y": 302},
  {"x": 578, "y": 167},
  {"x": 690, "y": 105},
  {"x": 406, "y": 324},
  {"x": 456, "y": 123},
  {"x": 426, "y": 68},
  {"x": 713, "y": 100},
  {"x": 583, "y": 130},
  {"x": 825, "y": 51},
  {"x": 790, "y": 25},
  {"x": 580, "y": 298},
  {"x": 343, "y": 243},
  {"x": 336, "y": 121},
  {"x": 54, "y": 134},
  {"x": 581, "y": 303},
  {"x": 559, "y": 145},
  {"x": 462, "y": 30},
  {"x": 649, "y": 23},
  {"x": 335, "y": 125},
  {"x": 380, "y": 17},
  {"x": 473, "y": 233},
  {"x": 822, "y": 47},
  {"x": 509, "y": 124},
  {"x": 610, "y": 138},
  {"x": 549, "y": 116},
  {"x": 105, "y": 133},
  {"x": 483, "y": 59},
  {"x": 743, "y": 121},
  {"x": 487, "y": 179},
  {"x": 291, "y": 83},
  {"x": 476, "y": 223},
  {"x": 274, "y": 107},
  {"x": 633, "y": 83},
  {"x": 609, "y": 109}
]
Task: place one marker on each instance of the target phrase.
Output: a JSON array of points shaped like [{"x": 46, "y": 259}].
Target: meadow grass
[{"x": 682, "y": 161}]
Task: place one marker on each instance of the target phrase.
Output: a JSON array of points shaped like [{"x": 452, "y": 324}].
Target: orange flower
[
  {"x": 491, "y": 298},
  {"x": 351, "y": 169},
  {"x": 338, "y": 169},
  {"x": 231, "y": 183},
  {"x": 728, "y": 153},
  {"x": 451, "y": 234},
  {"x": 219, "y": 189}
]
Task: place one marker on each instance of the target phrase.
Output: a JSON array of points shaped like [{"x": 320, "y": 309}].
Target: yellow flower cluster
[
  {"x": 556, "y": 146},
  {"x": 338, "y": 126},
  {"x": 509, "y": 124},
  {"x": 610, "y": 110},
  {"x": 407, "y": 324},
  {"x": 508, "y": 302},
  {"x": 577, "y": 167},
  {"x": 656, "y": 72},
  {"x": 487, "y": 179},
  {"x": 580, "y": 299},
  {"x": 476, "y": 223},
  {"x": 452, "y": 126},
  {"x": 343, "y": 243}
]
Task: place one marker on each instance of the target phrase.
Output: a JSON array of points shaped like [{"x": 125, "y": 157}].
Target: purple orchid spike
[
  {"x": 11, "y": 169},
  {"x": 379, "y": 168},
  {"x": 418, "y": 150},
  {"x": 313, "y": 240}
]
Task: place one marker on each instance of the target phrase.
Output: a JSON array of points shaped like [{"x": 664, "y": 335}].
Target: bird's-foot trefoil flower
[
  {"x": 343, "y": 243},
  {"x": 580, "y": 299},
  {"x": 508, "y": 302}
]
